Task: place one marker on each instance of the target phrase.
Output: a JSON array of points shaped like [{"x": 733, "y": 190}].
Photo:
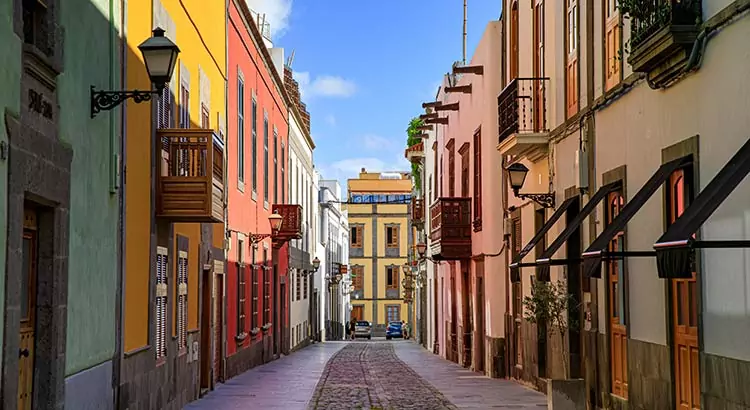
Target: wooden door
[
  {"x": 617, "y": 325},
  {"x": 684, "y": 312},
  {"x": 480, "y": 322},
  {"x": 358, "y": 313},
  {"x": 218, "y": 311},
  {"x": 28, "y": 311},
  {"x": 206, "y": 330},
  {"x": 571, "y": 84},
  {"x": 539, "y": 84}
]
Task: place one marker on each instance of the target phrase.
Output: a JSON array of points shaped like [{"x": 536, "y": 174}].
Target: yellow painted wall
[{"x": 199, "y": 29}]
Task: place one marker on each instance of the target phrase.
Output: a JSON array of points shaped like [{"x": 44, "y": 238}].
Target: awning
[
  {"x": 546, "y": 258},
  {"x": 515, "y": 274},
  {"x": 597, "y": 251},
  {"x": 674, "y": 250}
]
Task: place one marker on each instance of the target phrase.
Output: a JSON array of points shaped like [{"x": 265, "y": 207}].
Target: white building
[
  {"x": 334, "y": 238},
  {"x": 427, "y": 265}
]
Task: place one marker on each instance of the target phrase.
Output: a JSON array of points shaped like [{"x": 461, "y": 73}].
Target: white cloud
[
  {"x": 331, "y": 120},
  {"x": 277, "y": 13},
  {"x": 324, "y": 85}
]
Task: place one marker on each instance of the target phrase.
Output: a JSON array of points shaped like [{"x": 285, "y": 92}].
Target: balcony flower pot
[{"x": 551, "y": 304}]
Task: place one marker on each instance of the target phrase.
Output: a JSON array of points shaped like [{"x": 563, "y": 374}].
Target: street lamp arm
[
  {"x": 257, "y": 237},
  {"x": 545, "y": 200},
  {"x": 106, "y": 100}
]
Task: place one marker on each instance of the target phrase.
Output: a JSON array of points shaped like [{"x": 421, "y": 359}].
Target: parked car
[
  {"x": 394, "y": 330},
  {"x": 363, "y": 328}
]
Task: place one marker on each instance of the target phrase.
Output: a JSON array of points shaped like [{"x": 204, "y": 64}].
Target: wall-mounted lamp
[
  {"x": 517, "y": 175},
  {"x": 316, "y": 264},
  {"x": 160, "y": 57},
  {"x": 275, "y": 220}
]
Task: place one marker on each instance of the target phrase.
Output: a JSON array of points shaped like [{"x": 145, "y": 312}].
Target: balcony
[
  {"x": 450, "y": 231},
  {"x": 291, "y": 224},
  {"x": 522, "y": 118},
  {"x": 662, "y": 36},
  {"x": 415, "y": 153},
  {"x": 190, "y": 185},
  {"x": 417, "y": 211}
]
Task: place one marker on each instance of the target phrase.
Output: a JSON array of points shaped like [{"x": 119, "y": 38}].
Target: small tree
[
  {"x": 412, "y": 137},
  {"x": 550, "y": 304}
]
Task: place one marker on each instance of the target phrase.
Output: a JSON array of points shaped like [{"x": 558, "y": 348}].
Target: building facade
[
  {"x": 302, "y": 192},
  {"x": 257, "y": 303},
  {"x": 333, "y": 272},
  {"x": 173, "y": 326},
  {"x": 639, "y": 194},
  {"x": 379, "y": 244},
  {"x": 59, "y": 180}
]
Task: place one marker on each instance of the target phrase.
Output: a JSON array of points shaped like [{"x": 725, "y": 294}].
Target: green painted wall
[
  {"x": 10, "y": 77},
  {"x": 91, "y": 58}
]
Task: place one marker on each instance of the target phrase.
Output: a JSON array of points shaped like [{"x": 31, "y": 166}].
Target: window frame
[
  {"x": 241, "y": 132},
  {"x": 477, "y": 193},
  {"x": 392, "y": 275},
  {"x": 266, "y": 182},
  {"x": 254, "y": 142},
  {"x": 393, "y": 231}
]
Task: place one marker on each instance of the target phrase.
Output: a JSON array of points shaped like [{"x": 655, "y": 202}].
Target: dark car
[{"x": 394, "y": 330}]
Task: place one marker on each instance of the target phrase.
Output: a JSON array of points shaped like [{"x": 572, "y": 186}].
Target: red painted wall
[{"x": 247, "y": 212}]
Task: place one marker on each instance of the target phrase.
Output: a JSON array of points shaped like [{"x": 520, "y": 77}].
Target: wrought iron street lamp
[
  {"x": 275, "y": 220},
  {"x": 160, "y": 56},
  {"x": 316, "y": 264},
  {"x": 517, "y": 174},
  {"x": 421, "y": 249}
]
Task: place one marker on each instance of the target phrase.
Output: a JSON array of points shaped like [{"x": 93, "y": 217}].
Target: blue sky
[{"x": 365, "y": 67}]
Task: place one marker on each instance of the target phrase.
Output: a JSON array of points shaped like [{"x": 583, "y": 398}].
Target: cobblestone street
[{"x": 366, "y": 375}]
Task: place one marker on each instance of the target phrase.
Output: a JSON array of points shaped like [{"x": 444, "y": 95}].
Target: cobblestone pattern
[{"x": 371, "y": 376}]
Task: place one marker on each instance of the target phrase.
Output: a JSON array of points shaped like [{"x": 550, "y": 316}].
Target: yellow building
[
  {"x": 174, "y": 200},
  {"x": 380, "y": 239}
]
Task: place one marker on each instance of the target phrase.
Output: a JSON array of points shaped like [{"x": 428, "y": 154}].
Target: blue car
[{"x": 394, "y": 330}]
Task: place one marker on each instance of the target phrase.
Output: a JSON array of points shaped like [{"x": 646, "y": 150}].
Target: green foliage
[
  {"x": 551, "y": 304},
  {"x": 412, "y": 137}
]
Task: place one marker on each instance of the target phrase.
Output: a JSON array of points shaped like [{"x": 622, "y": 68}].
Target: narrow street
[{"x": 366, "y": 375}]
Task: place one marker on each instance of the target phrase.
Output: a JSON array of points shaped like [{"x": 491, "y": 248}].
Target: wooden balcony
[
  {"x": 450, "y": 229},
  {"x": 662, "y": 37},
  {"x": 417, "y": 211},
  {"x": 523, "y": 126},
  {"x": 291, "y": 224},
  {"x": 190, "y": 186},
  {"x": 415, "y": 153}
]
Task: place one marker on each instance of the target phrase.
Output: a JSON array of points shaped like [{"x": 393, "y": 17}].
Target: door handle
[{"x": 23, "y": 352}]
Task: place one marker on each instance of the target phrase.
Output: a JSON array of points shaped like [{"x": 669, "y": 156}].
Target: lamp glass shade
[
  {"x": 338, "y": 277},
  {"x": 406, "y": 268},
  {"x": 517, "y": 175},
  {"x": 421, "y": 248},
  {"x": 160, "y": 56},
  {"x": 316, "y": 263},
  {"x": 275, "y": 220}
]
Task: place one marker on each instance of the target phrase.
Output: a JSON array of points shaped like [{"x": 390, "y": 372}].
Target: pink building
[{"x": 465, "y": 221}]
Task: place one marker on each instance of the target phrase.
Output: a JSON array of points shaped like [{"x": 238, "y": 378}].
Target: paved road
[{"x": 366, "y": 375}]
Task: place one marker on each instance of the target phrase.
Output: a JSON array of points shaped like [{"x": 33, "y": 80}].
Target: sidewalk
[{"x": 467, "y": 389}]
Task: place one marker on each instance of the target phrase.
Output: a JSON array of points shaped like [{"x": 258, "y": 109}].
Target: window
[
  {"x": 254, "y": 144},
  {"x": 37, "y": 25},
  {"x": 517, "y": 296},
  {"x": 305, "y": 288},
  {"x": 184, "y": 106},
  {"x": 266, "y": 289},
  {"x": 465, "y": 180},
  {"x": 283, "y": 175},
  {"x": 616, "y": 298},
  {"x": 429, "y": 190},
  {"x": 265, "y": 157},
  {"x": 451, "y": 168},
  {"x": 435, "y": 166},
  {"x": 164, "y": 108},
  {"x": 160, "y": 305},
  {"x": 358, "y": 280},
  {"x": 514, "y": 40},
  {"x": 478, "y": 180},
  {"x": 275, "y": 166},
  {"x": 539, "y": 92},
  {"x": 571, "y": 85},
  {"x": 254, "y": 299},
  {"x": 182, "y": 299},
  {"x": 391, "y": 236},
  {"x": 205, "y": 117},
  {"x": 298, "y": 285},
  {"x": 391, "y": 277},
  {"x": 393, "y": 313},
  {"x": 241, "y": 130},
  {"x": 611, "y": 44},
  {"x": 356, "y": 235},
  {"x": 241, "y": 288}
]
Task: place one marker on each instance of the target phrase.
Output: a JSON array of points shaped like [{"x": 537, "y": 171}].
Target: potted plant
[{"x": 550, "y": 304}]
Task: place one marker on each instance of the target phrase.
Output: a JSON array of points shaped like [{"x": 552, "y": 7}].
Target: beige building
[
  {"x": 635, "y": 151},
  {"x": 380, "y": 239}
]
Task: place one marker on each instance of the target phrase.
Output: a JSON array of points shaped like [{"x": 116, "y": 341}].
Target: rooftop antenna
[
  {"x": 464, "y": 38},
  {"x": 290, "y": 60}
]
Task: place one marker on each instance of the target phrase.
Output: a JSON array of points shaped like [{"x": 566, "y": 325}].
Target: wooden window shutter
[
  {"x": 182, "y": 299},
  {"x": 160, "y": 305}
]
